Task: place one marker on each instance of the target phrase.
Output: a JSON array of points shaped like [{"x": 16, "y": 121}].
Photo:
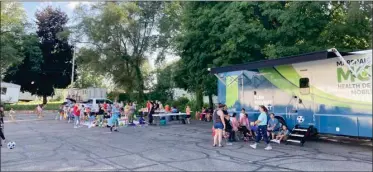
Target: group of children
[{"x": 104, "y": 115}]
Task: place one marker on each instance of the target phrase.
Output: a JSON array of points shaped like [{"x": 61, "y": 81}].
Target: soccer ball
[
  {"x": 300, "y": 119},
  {"x": 11, "y": 145}
]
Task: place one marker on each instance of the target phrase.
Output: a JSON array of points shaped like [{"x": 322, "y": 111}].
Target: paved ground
[{"x": 55, "y": 145}]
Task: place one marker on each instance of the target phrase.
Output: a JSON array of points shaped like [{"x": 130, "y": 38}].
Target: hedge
[{"x": 32, "y": 106}]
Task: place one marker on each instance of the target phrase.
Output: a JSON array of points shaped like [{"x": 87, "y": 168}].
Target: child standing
[
  {"x": 70, "y": 114},
  {"x": 187, "y": 111},
  {"x": 235, "y": 126},
  {"x": 60, "y": 111},
  {"x": 12, "y": 114},
  {"x": 39, "y": 111},
  {"x": 114, "y": 123},
  {"x": 76, "y": 111}
]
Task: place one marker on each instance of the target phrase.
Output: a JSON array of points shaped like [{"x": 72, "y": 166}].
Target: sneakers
[
  {"x": 278, "y": 141},
  {"x": 269, "y": 147},
  {"x": 229, "y": 144},
  {"x": 75, "y": 126},
  {"x": 253, "y": 146}
]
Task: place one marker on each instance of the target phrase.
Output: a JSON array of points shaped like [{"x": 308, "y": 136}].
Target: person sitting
[
  {"x": 174, "y": 110},
  {"x": 228, "y": 126},
  {"x": 283, "y": 135},
  {"x": 242, "y": 114},
  {"x": 245, "y": 127},
  {"x": 273, "y": 126}
]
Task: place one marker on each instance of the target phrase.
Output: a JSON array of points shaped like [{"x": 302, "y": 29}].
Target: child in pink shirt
[
  {"x": 245, "y": 127},
  {"x": 235, "y": 125}
]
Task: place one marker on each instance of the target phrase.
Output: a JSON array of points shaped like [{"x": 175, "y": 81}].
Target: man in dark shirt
[{"x": 152, "y": 109}]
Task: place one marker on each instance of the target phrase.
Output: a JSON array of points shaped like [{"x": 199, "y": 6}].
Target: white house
[{"x": 9, "y": 92}]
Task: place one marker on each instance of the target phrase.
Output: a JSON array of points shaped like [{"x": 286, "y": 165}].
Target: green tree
[
  {"x": 163, "y": 89},
  {"x": 27, "y": 72},
  {"x": 13, "y": 19},
  {"x": 87, "y": 77},
  {"x": 122, "y": 35},
  {"x": 57, "y": 53},
  {"x": 225, "y": 33},
  {"x": 54, "y": 69}
]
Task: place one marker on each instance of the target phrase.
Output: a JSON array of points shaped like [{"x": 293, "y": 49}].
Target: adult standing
[
  {"x": 219, "y": 125},
  {"x": 2, "y": 114},
  {"x": 96, "y": 109},
  {"x": 148, "y": 106},
  {"x": 105, "y": 107},
  {"x": 134, "y": 105},
  {"x": 262, "y": 128},
  {"x": 131, "y": 113},
  {"x": 151, "y": 112}
]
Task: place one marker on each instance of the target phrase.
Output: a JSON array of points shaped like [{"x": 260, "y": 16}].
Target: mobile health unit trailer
[{"x": 325, "y": 92}]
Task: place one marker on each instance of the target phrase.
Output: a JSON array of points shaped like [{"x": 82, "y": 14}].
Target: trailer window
[
  {"x": 3, "y": 90},
  {"x": 304, "y": 83},
  {"x": 304, "y": 86}
]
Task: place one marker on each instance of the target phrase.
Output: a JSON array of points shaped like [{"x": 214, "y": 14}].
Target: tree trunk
[
  {"x": 199, "y": 99},
  {"x": 45, "y": 99},
  {"x": 211, "y": 103},
  {"x": 140, "y": 81}
]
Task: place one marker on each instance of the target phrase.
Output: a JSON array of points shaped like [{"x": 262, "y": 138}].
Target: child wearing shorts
[
  {"x": 283, "y": 135},
  {"x": 187, "y": 111}
]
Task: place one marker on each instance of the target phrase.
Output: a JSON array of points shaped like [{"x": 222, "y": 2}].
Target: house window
[
  {"x": 304, "y": 86},
  {"x": 3, "y": 90}
]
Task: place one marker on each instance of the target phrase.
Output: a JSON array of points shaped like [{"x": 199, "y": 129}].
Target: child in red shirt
[{"x": 76, "y": 111}]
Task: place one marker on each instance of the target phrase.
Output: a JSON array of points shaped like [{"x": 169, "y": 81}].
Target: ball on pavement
[{"x": 11, "y": 145}]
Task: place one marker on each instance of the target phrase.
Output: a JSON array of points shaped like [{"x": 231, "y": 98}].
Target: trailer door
[{"x": 306, "y": 99}]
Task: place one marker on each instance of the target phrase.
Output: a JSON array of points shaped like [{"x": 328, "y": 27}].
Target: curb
[{"x": 31, "y": 111}]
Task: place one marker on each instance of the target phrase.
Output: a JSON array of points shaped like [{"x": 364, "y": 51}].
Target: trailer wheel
[{"x": 281, "y": 120}]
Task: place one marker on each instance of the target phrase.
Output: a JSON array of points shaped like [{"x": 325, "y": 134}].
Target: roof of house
[
  {"x": 280, "y": 61},
  {"x": 9, "y": 85}
]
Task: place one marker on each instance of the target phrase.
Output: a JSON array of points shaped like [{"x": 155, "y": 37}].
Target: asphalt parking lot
[{"x": 53, "y": 145}]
